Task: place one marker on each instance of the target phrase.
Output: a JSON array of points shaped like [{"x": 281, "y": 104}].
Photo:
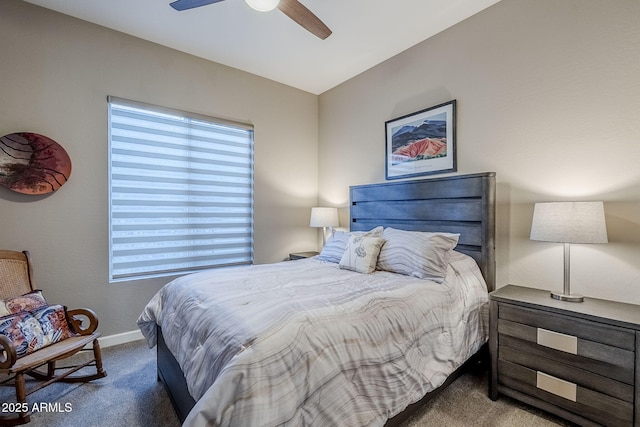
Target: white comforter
[{"x": 305, "y": 343}]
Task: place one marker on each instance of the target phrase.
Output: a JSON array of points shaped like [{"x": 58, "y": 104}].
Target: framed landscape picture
[{"x": 422, "y": 143}]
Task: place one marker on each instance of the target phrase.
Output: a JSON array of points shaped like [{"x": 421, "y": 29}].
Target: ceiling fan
[{"x": 292, "y": 8}]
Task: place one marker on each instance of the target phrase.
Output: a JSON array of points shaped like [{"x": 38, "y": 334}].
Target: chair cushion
[
  {"x": 27, "y": 302},
  {"x": 24, "y": 331},
  {"x": 53, "y": 321},
  {"x": 31, "y": 331}
]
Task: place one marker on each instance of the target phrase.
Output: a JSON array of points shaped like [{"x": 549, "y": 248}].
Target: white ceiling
[{"x": 365, "y": 33}]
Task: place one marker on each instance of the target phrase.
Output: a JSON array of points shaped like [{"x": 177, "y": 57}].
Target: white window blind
[{"x": 181, "y": 191}]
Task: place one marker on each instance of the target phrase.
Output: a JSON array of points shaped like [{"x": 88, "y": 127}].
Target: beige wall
[
  {"x": 548, "y": 97},
  {"x": 55, "y": 75}
]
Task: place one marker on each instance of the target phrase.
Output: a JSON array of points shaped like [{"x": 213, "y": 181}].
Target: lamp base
[{"x": 567, "y": 297}]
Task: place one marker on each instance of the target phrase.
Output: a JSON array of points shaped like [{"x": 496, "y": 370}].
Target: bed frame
[{"x": 462, "y": 204}]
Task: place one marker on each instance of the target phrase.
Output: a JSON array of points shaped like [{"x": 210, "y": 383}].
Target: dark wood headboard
[{"x": 462, "y": 204}]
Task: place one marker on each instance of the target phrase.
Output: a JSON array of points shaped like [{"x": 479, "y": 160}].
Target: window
[{"x": 181, "y": 191}]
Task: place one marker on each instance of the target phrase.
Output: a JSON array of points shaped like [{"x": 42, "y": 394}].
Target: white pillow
[
  {"x": 361, "y": 254},
  {"x": 417, "y": 253},
  {"x": 337, "y": 243}
]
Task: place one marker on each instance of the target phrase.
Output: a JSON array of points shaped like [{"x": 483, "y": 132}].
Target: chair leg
[
  {"x": 51, "y": 371},
  {"x": 97, "y": 354},
  {"x": 22, "y": 414},
  {"x": 97, "y": 359},
  {"x": 21, "y": 398}
]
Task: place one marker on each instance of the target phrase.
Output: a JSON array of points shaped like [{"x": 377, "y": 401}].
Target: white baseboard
[{"x": 123, "y": 338}]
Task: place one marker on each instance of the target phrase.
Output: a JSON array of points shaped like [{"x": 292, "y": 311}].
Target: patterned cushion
[
  {"x": 24, "y": 331},
  {"x": 337, "y": 243},
  {"x": 27, "y": 302},
  {"x": 415, "y": 253},
  {"x": 361, "y": 253},
  {"x": 53, "y": 321},
  {"x": 30, "y": 331}
]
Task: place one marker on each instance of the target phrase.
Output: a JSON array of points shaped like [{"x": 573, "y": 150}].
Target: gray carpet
[
  {"x": 131, "y": 396},
  {"x": 128, "y": 396},
  {"x": 466, "y": 403}
]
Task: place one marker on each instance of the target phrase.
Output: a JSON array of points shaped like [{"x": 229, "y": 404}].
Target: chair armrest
[
  {"x": 8, "y": 354},
  {"x": 77, "y": 318}
]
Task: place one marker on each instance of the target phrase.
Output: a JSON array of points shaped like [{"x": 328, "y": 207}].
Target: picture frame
[{"x": 421, "y": 143}]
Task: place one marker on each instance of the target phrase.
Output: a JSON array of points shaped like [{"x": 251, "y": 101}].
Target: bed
[{"x": 320, "y": 342}]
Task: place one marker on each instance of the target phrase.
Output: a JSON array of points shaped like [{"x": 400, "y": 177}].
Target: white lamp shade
[
  {"x": 263, "y": 5},
  {"x": 324, "y": 217},
  {"x": 569, "y": 222}
]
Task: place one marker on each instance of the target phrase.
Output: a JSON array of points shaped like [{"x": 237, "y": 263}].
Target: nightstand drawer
[
  {"x": 603, "y": 359},
  {"x": 603, "y": 383},
  {"x": 599, "y": 407},
  {"x": 580, "y": 328}
]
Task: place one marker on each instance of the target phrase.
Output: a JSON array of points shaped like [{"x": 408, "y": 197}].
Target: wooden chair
[{"x": 16, "y": 278}]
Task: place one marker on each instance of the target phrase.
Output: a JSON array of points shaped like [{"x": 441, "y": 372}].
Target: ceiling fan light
[{"x": 263, "y": 5}]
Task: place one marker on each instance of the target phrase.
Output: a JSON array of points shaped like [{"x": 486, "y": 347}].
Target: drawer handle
[
  {"x": 556, "y": 386},
  {"x": 558, "y": 341}
]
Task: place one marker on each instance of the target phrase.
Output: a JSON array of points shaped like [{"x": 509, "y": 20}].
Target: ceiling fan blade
[
  {"x": 303, "y": 16},
  {"x": 190, "y": 4}
]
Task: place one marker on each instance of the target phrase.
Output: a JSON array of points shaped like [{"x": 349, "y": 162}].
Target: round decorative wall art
[{"x": 31, "y": 163}]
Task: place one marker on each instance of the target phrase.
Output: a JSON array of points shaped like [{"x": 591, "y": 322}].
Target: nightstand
[
  {"x": 580, "y": 361},
  {"x": 301, "y": 255}
]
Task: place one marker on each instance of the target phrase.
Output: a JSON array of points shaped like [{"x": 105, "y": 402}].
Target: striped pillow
[
  {"x": 416, "y": 253},
  {"x": 337, "y": 243}
]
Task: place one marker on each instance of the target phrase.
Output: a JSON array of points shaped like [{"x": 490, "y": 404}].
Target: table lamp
[
  {"x": 325, "y": 218},
  {"x": 567, "y": 223}
]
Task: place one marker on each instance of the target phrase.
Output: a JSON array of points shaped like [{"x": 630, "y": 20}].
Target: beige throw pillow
[{"x": 361, "y": 254}]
